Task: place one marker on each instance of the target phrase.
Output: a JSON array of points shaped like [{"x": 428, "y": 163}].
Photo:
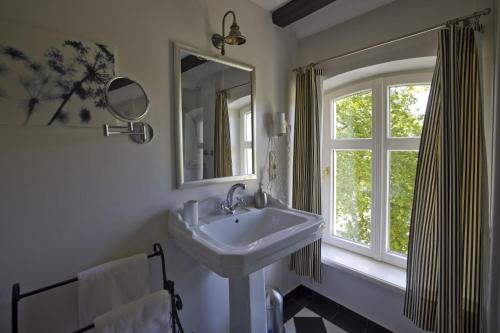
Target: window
[
  {"x": 371, "y": 138},
  {"x": 246, "y": 141}
]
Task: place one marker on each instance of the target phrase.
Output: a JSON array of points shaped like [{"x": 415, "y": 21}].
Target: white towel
[
  {"x": 107, "y": 286},
  {"x": 150, "y": 314}
]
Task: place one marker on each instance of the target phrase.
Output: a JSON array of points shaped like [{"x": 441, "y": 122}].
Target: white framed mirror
[{"x": 214, "y": 119}]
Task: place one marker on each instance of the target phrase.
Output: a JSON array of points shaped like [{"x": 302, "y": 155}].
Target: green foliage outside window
[
  {"x": 353, "y": 195},
  {"x": 353, "y": 168},
  {"x": 403, "y": 165},
  {"x": 353, "y": 116},
  {"x": 407, "y": 109}
]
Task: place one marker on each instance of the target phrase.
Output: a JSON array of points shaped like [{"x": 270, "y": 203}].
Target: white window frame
[
  {"x": 244, "y": 144},
  {"x": 380, "y": 144}
]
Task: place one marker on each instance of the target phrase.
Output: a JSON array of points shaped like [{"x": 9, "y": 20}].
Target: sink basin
[
  {"x": 237, "y": 245},
  {"x": 248, "y": 229}
]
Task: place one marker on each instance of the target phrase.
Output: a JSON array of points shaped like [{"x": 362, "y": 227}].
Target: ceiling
[
  {"x": 337, "y": 12},
  {"x": 270, "y": 5}
]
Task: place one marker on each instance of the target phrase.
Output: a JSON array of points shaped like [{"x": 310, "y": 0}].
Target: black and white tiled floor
[{"x": 306, "y": 311}]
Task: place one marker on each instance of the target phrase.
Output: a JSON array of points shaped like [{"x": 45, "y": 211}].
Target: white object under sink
[{"x": 239, "y": 246}]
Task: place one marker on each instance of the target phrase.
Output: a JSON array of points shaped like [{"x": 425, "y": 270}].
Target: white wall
[
  {"x": 71, "y": 198},
  {"x": 380, "y": 304}
]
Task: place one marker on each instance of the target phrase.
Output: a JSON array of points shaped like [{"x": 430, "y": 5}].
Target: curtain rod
[
  {"x": 478, "y": 14},
  {"x": 239, "y": 85}
]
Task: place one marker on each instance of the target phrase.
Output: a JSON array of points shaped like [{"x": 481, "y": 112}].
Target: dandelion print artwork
[{"x": 49, "y": 81}]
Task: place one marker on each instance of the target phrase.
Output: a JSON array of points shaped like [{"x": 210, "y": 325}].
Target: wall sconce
[
  {"x": 280, "y": 125},
  {"x": 233, "y": 38}
]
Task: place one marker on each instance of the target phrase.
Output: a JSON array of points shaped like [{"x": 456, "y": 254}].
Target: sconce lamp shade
[
  {"x": 280, "y": 124},
  {"x": 235, "y": 37}
]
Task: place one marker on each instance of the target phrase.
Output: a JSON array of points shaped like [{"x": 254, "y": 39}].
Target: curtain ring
[{"x": 477, "y": 26}]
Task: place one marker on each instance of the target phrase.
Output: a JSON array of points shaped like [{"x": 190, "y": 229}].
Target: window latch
[{"x": 326, "y": 172}]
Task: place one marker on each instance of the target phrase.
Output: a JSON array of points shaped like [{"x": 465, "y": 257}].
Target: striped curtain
[
  {"x": 443, "y": 289},
  {"x": 306, "y": 187},
  {"x": 222, "y": 142}
]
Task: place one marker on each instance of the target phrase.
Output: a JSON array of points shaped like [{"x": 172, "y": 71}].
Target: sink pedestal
[
  {"x": 234, "y": 245},
  {"x": 247, "y": 303}
]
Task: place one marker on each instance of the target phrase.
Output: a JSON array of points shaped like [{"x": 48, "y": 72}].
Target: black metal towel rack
[{"x": 168, "y": 285}]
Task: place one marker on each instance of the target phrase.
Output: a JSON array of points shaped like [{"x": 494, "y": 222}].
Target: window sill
[{"x": 367, "y": 268}]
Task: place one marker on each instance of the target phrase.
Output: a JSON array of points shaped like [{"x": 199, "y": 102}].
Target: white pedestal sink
[{"x": 239, "y": 246}]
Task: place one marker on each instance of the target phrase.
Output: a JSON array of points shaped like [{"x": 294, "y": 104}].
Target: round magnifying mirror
[{"x": 126, "y": 99}]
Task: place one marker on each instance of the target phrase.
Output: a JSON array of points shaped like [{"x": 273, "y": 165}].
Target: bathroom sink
[
  {"x": 237, "y": 245},
  {"x": 248, "y": 229}
]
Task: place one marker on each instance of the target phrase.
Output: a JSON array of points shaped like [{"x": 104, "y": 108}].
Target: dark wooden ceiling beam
[
  {"x": 191, "y": 61},
  {"x": 297, "y": 9}
]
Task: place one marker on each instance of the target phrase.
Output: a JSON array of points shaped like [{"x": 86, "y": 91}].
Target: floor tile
[
  {"x": 288, "y": 297},
  {"x": 304, "y": 302},
  {"x": 349, "y": 320},
  {"x": 305, "y": 312},
  {"x": 375, "y": 328},
  {"x": 290, "y": 326},
  {"x": 324, "y": 307},
  {"x": 290, "y": 309},
  {"x": 302, "y": 295},
  {"x": 331, "y": 328},
  {"x": 309, "y": 325}
]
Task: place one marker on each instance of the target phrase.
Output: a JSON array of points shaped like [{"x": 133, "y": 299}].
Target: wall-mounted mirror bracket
[{"x": 139, "y": 132}]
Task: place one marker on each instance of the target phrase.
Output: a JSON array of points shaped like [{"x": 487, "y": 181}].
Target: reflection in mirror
[
  {"x": 217, "y": 119},
  {"x": 126, "y": 99}
]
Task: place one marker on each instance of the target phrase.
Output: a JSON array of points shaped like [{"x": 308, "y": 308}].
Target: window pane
[
  {"x": 247, "y": 124},
  {"x": 353, "y": 116},
  {"x": 402, "y": 169},
  {"x": 407, "y": 109},
  {"x": 248, "y": 160},
  {"x": 353, "y": 191}
]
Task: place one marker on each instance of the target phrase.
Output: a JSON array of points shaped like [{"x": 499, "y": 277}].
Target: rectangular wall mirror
[{"x": 215, "y": 119}]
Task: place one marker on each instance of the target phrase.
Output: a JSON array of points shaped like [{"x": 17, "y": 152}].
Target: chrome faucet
[{"x": 227, "y": 205}]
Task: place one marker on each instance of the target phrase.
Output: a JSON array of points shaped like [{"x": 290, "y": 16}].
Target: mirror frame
[
  {"x": 116, "y": 113},
  {"x": 181, "y": 183}
]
